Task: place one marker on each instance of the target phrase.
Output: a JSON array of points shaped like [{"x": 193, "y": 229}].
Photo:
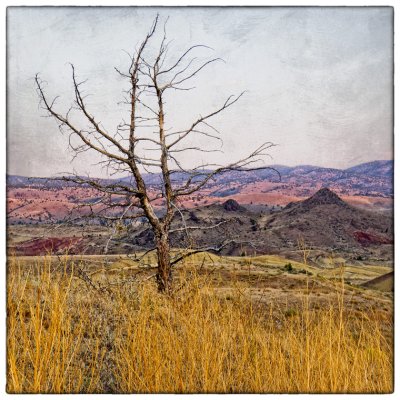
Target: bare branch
[
  {"x": 184, "y": 134},
  {"x": 235, "y": 166},
  {"x": 177, "y": 63},
  {"x": 189, "y": 253},
  {"x": 174, "y": 84},
  {"x": 82, "y": 107},
  {"x": 65, "y": 121},
  {"x": 186, "y": 228}
]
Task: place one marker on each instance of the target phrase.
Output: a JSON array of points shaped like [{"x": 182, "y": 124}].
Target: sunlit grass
[{"x": 64, "y": 337}]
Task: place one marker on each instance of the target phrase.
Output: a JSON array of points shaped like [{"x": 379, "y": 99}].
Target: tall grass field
[{"x": 64, "y": 337}]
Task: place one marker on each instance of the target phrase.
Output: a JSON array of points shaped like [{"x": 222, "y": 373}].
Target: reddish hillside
[
  {"x": 52, "y": 245},
  {"x": 367, "y": 239}
]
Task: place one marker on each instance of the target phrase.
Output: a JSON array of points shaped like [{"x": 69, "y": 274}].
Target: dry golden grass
[{"x": 64, "y": 337}]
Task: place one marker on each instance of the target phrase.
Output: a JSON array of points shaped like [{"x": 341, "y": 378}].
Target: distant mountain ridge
[
  {"x": 377, "y": 169},
  {"x": 368, "y": 185}
]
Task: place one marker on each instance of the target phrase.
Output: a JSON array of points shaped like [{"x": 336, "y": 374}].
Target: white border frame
[{"x": 393, "y": 3}]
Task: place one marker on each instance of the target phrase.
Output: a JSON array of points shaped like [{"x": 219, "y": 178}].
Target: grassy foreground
[{"x": 63, "y": 337}]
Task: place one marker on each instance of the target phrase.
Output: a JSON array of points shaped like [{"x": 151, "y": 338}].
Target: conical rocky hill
[
  {"x": 323, "y": 197},
  {"x": 325, "y": 220}
]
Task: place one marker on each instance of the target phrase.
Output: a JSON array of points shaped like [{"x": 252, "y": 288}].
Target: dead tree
[{"x": 143, "y": 144}]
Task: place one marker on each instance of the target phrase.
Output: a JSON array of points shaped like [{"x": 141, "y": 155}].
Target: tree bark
[{"x": 164, "y": 273}]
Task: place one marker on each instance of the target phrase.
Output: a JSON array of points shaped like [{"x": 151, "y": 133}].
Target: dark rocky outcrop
[{"x": 232, "y": 205}]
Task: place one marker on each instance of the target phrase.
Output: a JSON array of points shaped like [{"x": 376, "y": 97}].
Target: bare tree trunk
[{"x": 164, "y": 273}]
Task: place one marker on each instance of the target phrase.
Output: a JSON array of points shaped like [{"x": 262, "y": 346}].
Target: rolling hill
[{"x": 323, "y": 221}]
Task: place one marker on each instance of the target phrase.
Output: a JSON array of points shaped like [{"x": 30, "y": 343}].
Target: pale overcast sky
[{"x": 318, "y": 81}]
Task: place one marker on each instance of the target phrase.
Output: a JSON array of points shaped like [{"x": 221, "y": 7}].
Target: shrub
[{"x": 288, "y": 267}]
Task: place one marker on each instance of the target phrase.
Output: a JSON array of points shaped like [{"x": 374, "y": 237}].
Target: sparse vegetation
[
  {"x": 288, "y": 267},
  {"x": 63, "y": 337}
]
